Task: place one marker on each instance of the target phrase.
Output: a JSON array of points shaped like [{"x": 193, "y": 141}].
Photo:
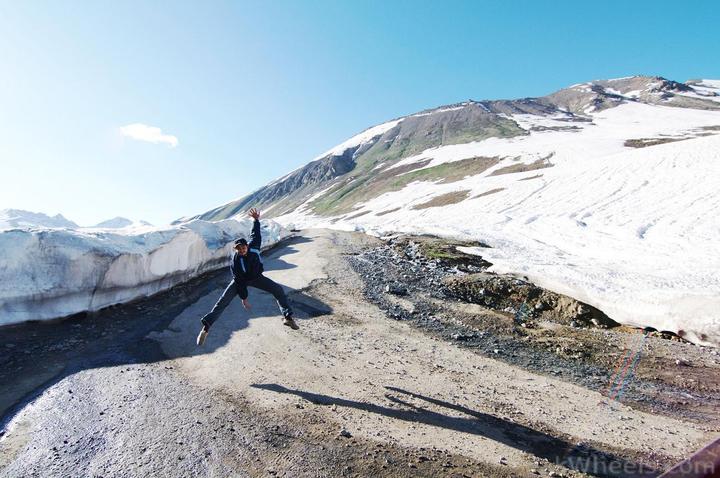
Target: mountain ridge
[
  {"x": 22, "y": 219},
  {"x": 119, "y": 222},
  {"x": 457, "y": 123},
  {"x": 17, "y": 218},
  {"x": 587, "y": 191}
]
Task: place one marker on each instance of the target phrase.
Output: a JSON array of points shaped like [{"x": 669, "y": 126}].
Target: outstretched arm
[{"x": 255, "y": 237}]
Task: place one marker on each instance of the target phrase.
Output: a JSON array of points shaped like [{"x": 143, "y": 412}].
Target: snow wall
[{"x": 52, "y": 273}]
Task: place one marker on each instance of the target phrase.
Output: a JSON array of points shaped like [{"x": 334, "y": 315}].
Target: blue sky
[{"x": 252, "y": 90}]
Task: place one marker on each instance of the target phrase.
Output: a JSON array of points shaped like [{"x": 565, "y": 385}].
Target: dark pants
[{"x": 262, "y": 283}]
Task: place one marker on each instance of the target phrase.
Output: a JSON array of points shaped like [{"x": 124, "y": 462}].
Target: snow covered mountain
[
  {"x": 114, "y": 223},
  {"x": 119, "y": 223},
  {"x": 358, "y": 168},
  {"x": 20, "y": 219},
  {"x": 605, "y": 191},
  {"x": 17, "y": 218}
]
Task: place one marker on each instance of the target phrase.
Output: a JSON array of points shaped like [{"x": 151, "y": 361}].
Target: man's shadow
[
  {"x": 44, "y": 353},
  {"x": 582, "y": 458}
]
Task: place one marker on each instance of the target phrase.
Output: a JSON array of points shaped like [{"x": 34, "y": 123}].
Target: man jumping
[{"x": 247, "y": 269}]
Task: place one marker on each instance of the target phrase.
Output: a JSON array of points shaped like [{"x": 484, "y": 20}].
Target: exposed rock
[
  {"x": 298, "y": 183},
  {"x": 395, "y": 289},
  {"x": 527, "y": 300}
]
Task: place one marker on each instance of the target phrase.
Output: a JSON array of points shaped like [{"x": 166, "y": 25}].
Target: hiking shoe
[
  {"x": 202, "y": 335},
  {"x": 290, "y": 322}
]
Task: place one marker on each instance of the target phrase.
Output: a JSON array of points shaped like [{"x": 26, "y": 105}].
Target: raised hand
[{"x": 254, "y": 213}]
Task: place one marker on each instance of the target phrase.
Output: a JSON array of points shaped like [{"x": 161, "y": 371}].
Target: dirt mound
[{"x": 502, "y": 292}]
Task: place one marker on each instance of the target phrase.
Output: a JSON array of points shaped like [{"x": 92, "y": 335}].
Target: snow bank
[
  {"x": 49, "y": 273},
  {"x": 631, "y": 231}
]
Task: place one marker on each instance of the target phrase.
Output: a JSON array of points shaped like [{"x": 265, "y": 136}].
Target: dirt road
[{"x": 352, "y": 393}]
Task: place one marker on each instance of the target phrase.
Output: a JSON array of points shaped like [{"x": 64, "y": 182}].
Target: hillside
[
  {"x": 601, "y": 191},
  {"x": 334, "y": 182}
]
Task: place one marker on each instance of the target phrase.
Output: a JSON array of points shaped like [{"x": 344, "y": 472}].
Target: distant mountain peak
[
  {"x": 114, "y": 223},
  {"x": 119, "y": 223},
  {"x": 597, "y": 95},
  {"x": 19, "y": 218}
]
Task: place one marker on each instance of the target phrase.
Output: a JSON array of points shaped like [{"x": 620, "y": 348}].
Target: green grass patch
[
  {"x": 645, "y": 142},
  {"x": 522, "y": 167},
  {"x": 412, "y": 136},
  {"x": 365, "y": 188},
  {"x": 444, "y": 200}
]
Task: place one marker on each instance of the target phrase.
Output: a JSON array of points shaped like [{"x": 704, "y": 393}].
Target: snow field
[{"x": 632, "y": 231}]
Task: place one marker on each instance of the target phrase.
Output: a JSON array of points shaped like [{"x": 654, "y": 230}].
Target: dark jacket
[{"x": 250, "y": 266}]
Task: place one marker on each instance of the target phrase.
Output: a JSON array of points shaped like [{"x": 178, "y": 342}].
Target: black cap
[{"x": 241, "y": 241}]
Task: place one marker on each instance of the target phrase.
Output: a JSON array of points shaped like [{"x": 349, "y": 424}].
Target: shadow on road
[
  {"x": 523, "y": 438},
  {"x": 36, "y": 355},
  {"x": 280, "y": 265}
]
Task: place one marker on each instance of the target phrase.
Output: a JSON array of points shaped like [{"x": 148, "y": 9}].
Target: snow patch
[
  {"x": 360, "y": 139},
  {"x": 714, "y": 84},
  {"x": 442, "y": 110}
]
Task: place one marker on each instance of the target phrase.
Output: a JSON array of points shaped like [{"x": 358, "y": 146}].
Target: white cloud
[{"x": 151, "y": 134}]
